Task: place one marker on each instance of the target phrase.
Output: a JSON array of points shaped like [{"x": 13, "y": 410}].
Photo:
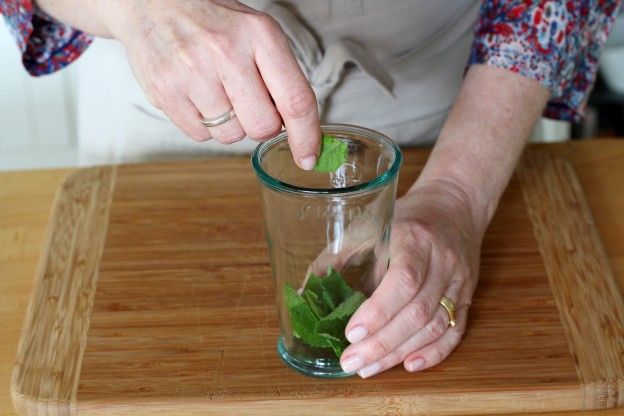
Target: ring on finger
[
  {"x": 216, "y": 121},
  {"x": 450, "y": 309}
]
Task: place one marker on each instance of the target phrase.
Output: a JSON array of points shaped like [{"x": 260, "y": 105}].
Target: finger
[
  {"x": 398, "y": 287},
  {"x": 251, "y": 100},
  {"x": 431, "y": 332},
  {"x": 412, "y": 318},
  {"x": 185, "y": 115},
  {"x": 211, "y": 100},
  {"x": 434, "y": 353},
  {"x": 293, "y": 96}
]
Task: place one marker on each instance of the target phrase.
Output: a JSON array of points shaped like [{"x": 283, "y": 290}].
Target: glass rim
[{"x": 380, "y": 180}]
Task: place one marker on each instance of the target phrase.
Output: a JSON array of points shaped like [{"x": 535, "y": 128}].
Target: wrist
[
  {"x": 116, "y": 18},
  {"x": 477, "y": 206}
]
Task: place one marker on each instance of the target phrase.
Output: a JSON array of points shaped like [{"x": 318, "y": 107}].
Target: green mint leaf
[
  {"x": 338, "y": 346},
  {"x": 314, "y": 284},
  {"x": 302, "y": 319},
  {"x": 333, "y": 154},
  {"x": 335, "y": 283},
  {"x": 313, "y": 292},
  {"x": 334, "y": 324},
  {"x": 335, "y": 289},
  {"x": 315, "y": 303},
  {"x": 320, "y": 314}
]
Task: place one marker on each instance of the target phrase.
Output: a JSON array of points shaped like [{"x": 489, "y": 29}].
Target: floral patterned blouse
[{"x": 555, "y": 42}]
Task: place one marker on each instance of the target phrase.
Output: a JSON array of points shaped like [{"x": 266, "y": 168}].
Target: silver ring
[{"x": 216, "y": 121}]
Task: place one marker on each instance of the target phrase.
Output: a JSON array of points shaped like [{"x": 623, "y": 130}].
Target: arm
[
  {"x": 439, "y": 225},
  {"x": 484, "y": 136}
]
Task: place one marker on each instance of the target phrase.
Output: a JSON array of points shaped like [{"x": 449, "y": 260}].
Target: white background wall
[{"x": 37, "y": 128}]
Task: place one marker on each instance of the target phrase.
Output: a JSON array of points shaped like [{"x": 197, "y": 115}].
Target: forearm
[
  {"x": 484, "y": 136},
  {"x": 90, "y": 16}
]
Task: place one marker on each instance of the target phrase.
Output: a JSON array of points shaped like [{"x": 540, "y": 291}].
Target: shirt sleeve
[
  {"x": 46, "y": 44},
  {"x": 557, "y": 43}
]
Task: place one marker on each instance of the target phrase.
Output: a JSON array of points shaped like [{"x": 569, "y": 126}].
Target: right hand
[{"x": 204, "y": 57}]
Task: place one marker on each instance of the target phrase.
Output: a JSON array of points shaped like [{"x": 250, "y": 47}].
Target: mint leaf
[
  {"x": 302, "y": 319},
  {"x": 335, "y": 323},
  {"x": 315, "y": 303},
  {"x": 333, "y": 154},
  {"x": 339, "y": 346},
  {"x": 335, "y": 289},
  {"x": 320, "y": 314},
  {"x": 314, "y": 284},
  {"x": 313, "y": 294}
]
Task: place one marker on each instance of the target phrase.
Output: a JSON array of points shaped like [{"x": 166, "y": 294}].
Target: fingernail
[
  {"x": 357, "y": 334},
  {"x": 308, "y": 163},
  {"x": 415, "y": 364},
  {"x": 370, "y": 370},
  {"x": 351, "y": 364}
]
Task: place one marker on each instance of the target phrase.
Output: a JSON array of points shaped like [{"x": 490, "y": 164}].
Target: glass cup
[{"x": 315, "y": 220}]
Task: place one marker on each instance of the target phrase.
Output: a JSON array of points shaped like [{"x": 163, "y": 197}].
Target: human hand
[
  {"x": 434, "y": 252},
  {"x": 201, "y": 58}
]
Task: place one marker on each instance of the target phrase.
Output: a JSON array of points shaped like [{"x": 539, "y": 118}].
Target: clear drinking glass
[{"x": 314, "y": 220}]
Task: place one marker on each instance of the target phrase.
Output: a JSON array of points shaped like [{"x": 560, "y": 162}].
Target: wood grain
[
  {"x": 581, "y": 278},
  {"x": 592, "y": 161},
  {"x": 49, "y": 356}
]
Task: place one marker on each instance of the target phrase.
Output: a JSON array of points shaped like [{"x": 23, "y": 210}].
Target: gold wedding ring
[
  {"x": 450, "y": 309},
  {"x": 216, "y": 121}
]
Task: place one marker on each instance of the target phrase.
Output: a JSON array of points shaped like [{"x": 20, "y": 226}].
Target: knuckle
[
  {"x": 379, "y": 348},
  {"x": 455, "y": 336},
  {"x": 463, "y": 272},
  {"x": 199, "y": 136},
  {"x": 229, "y": 138},
  {"x": 265, "y": 128},
  {"x": 451, "y": 258},
  {"x": 409, "y": 279},
  {"x": 265, "y": 24},
  {"x": 418, "y": 314},
  {"x": 298, "y": 103},
  {"x": 436, "y": 328},
  {"x": 376, "y": 311},
  {"x": 420, "y": 231}
]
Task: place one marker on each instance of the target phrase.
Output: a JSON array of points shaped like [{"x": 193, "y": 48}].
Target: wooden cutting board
[{"x": 154, "y": 296}]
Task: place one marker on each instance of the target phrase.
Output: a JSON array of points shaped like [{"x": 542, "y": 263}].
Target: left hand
[{"x": 434, "y": 252}]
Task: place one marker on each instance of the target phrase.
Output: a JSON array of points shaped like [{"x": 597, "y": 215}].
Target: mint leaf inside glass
[
  {"x": 333, "y": 154},
  {"x": 320, "y": 314}
]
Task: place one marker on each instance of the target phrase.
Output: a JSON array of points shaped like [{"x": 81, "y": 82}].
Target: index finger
[{"x": 293, "y": 96}]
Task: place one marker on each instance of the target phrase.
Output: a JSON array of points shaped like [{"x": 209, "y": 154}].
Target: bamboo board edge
[
  {"x": 48, "y": 384},
  {"x": 581, "y": 278}
]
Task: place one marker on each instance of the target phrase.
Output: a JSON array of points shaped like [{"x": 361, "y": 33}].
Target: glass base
[{"x": 316, "y": 368}]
